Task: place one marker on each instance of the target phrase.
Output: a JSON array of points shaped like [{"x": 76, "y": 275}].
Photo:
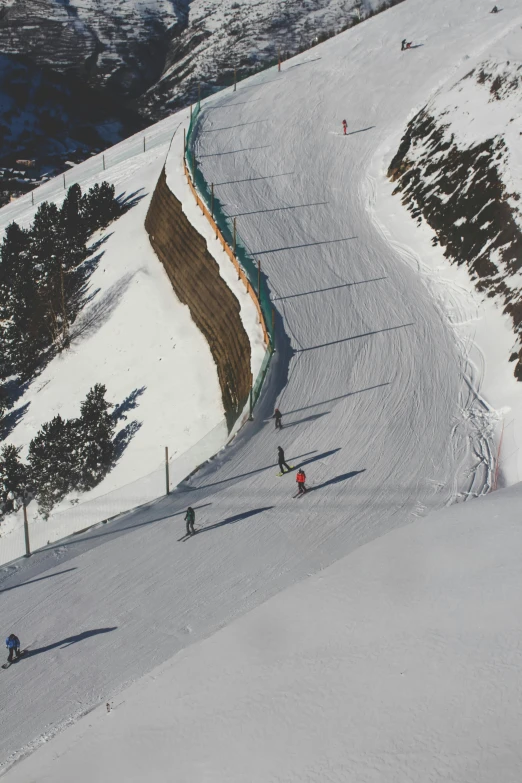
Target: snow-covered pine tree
[
  {"x": 49, "y": 249},
  {"x": 21, "y": 335},
  {"x": 74, "y": 228},
  {"x": 99, "y": 206},
  {"x": 53, "y": 462},
  {"x": 13, "y": 477},
  {"x": 95, "y": 433}
]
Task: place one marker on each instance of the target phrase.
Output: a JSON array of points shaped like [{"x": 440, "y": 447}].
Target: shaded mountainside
[
  {"x": 458, "y": 168},
  {"x": 142, "y": 58},
  {"x": 48, "y": 116}
]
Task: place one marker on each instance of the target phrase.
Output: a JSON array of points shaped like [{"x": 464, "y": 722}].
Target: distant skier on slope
[
  {"x": 13, "y": 645},
  {"x": 281, "y": 460},
  {"x": 403, "y": 44},
  {"x": 345, "y": 126},
  {"x": 190, "y": 518},
  {"x": 278, "y": 416},
  {"x": 301, "y": 478},
  {"x": 494, "y": 10}
]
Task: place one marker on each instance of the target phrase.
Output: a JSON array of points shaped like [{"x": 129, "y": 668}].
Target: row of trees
[
  {"x": 41, "y": 276},
  {"x": 66, "y": 455}
]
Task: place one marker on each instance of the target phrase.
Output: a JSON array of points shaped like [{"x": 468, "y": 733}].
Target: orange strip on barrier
[{"x": 229, "y": 252}]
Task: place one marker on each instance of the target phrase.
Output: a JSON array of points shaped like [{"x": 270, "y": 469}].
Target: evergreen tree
[
  {"x": 53, "y": 462},
  {"x": 13, "y": 478},
  {"x": 21, "y": 337},
  {"x": 99, "y": 206},
  {"x": 95, "y": 433},
  {"x": 74, "y": 228},
  {"x": 49, "y": 251}
]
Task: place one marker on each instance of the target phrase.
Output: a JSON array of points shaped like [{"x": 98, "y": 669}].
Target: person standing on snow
[
  {"x": 301, "y": 478},
  {"x": 403, "y": 44},
  {"x": 190, "y": 518},
  {"x": 345, "y": 126},
  {"x": 281, "y": 460},
  {"x": 278, "y": 416},
  {"x": 13, "y": 645}
]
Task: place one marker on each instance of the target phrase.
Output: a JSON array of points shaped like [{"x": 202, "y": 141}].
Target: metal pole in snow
[
  {"x": 26, "y": 531},
  {"x": 167, "y": 481},
  {"x": 144, "y": 144}
]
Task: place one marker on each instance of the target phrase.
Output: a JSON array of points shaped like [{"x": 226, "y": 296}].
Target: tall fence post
[
  {"x": 167, "y": 479},
  {"x": 26, "y": 531}
]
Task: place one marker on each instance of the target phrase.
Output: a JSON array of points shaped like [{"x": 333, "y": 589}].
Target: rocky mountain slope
[
  {"x": 142, "y": 58},
  {"x": 459, "y": 170}
]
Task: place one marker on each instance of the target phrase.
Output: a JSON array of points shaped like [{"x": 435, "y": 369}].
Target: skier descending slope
[
  {"x": 278, "y": 416},
  {"x": 13, "y": 645},
  {"x": 301, "y": 486},
  {"x": 190, "y": 518},
  {"x": 281, "y": 461}
]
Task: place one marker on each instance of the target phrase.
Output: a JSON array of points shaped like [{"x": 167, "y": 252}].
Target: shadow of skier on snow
[
  {"x": 63, "y": 643},
  {"x": 235, "y": 518},
  {"x": 336, "y": 479}
]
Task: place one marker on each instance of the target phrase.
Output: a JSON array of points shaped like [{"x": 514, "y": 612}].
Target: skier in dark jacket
[
  {"x": 278, "y": 416},
  {"x": 281, "y": 460},
  {"x": 403, "y": 44},
  {"x": 190, "y": 518},
  {"x": 13, "y": 645}
]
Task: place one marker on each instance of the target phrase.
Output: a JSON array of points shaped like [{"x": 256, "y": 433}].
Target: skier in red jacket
[
  {"x": 345, "y": 126},
  {"x": 301, "y": 478}
]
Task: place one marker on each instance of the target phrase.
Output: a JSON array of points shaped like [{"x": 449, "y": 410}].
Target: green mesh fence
[{"x": 250, "y": 268}]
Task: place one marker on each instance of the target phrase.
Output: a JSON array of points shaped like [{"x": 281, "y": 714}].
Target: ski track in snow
[{"x": 380, "y": 404}]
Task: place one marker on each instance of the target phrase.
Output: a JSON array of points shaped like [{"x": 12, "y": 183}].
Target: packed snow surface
[
  {"x": 380, "y": 406},
  {"x": 400, "y": 662}
]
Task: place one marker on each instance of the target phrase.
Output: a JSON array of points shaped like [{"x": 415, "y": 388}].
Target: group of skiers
[{"x": 284, "y": 467}]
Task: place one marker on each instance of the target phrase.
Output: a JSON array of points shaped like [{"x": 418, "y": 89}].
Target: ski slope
[
  {"x": 400, "y": 662},
  {"x": 380, "y": 405}
]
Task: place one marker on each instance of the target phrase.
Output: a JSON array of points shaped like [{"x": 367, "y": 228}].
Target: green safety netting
[{"x": 257, "y": 281}]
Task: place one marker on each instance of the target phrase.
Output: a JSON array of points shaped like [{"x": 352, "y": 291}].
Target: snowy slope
[
  {"x": 400, "y": 662},
  {"x": 220, "y": 35},
  {"x": 379, "y": 405}
]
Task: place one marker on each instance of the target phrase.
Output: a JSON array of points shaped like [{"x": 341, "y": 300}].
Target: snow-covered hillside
[
  {"x": 383, "y": 409},
  {"x": 400, "y": 662},
  {"x": 135, "y": 337},
  {"x": 219, "y": 36}
]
